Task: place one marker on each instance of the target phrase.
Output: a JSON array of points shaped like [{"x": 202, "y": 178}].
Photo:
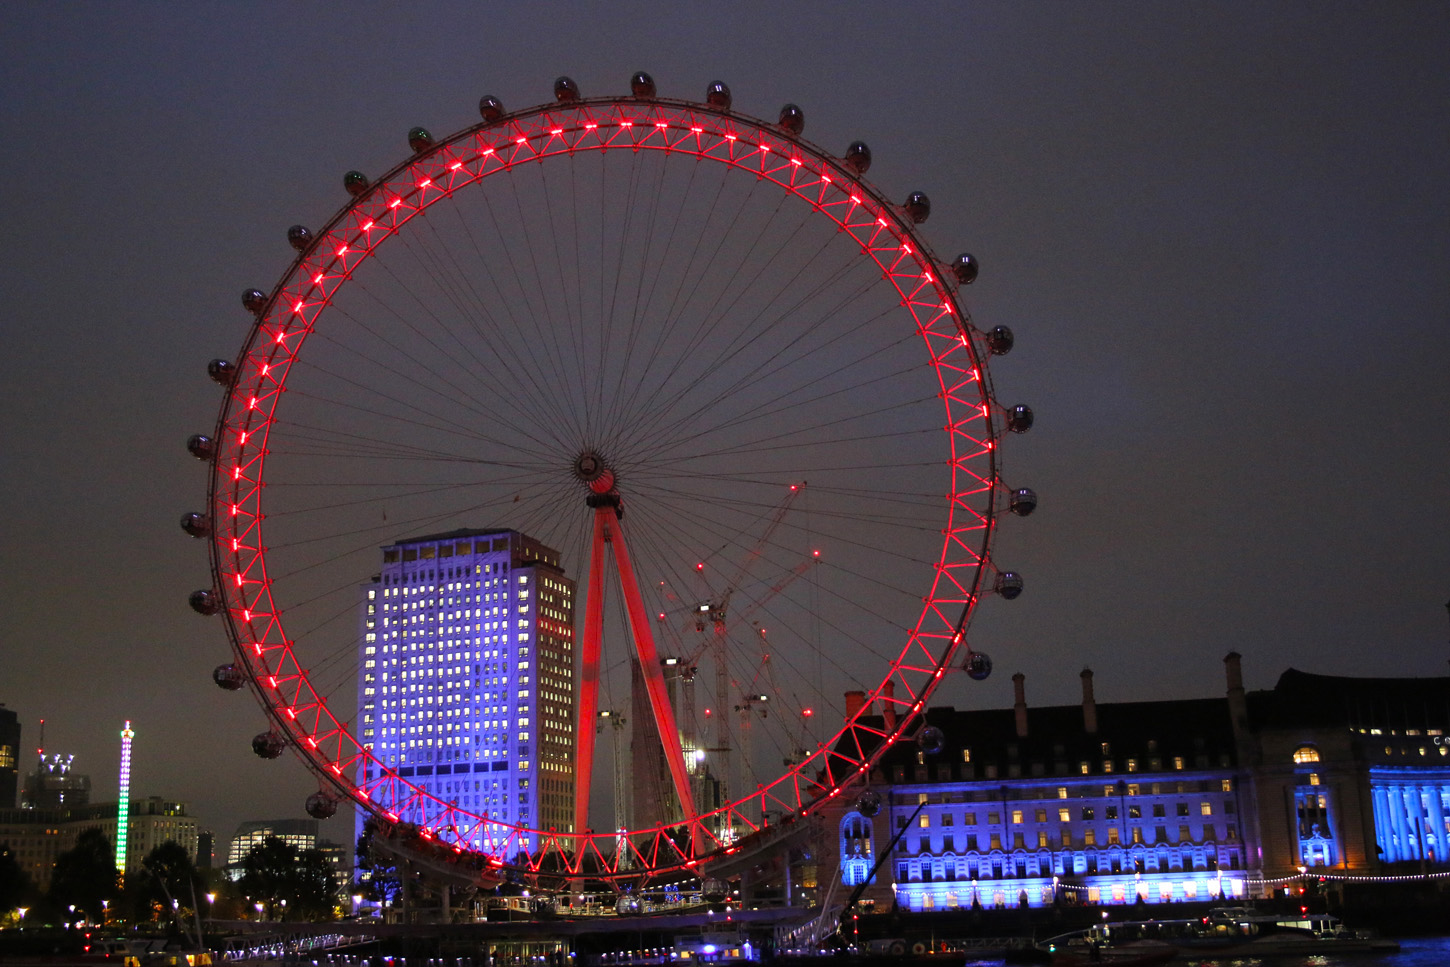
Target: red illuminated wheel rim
[{"x": 775, "y": 372}]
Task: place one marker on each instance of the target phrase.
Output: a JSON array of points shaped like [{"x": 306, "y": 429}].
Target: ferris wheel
[{"x": 705, "y": 362}]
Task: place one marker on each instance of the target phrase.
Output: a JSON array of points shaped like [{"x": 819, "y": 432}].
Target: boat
[
  {"x": 1259, "y": 933},
  {"x": 1082, "y": 951},
  {"x": 1234, "y": 931}
]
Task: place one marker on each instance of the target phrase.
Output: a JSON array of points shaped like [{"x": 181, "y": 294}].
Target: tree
[
  {"x": 289, "y": 883},
  {"x": 85, "y": 875},
  {"x": 378, "y": 879},
  {"x": 167, "y": 874},
  {"x": 15, "y": 885}
]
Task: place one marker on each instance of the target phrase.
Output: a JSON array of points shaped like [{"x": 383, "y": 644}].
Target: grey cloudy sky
[{"x": 1220, "y": 232}]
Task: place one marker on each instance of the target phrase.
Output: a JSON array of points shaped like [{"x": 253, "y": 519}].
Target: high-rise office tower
[
  {"x": 466, "y": 676},
  {"x": 9, "y": 757}
]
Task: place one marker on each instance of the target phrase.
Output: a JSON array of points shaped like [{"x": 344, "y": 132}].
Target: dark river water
[{"x": 1417, "y": 952}]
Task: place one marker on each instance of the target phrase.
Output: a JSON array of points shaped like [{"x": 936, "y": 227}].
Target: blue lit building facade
[
  {"x": 466, "y": 674},
  {"x": 1169, "y": 801}
]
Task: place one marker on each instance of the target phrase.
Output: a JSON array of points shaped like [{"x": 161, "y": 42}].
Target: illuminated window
[
  {"x": 1178, "y": 762},
  {"x": 1061, "y": 792},
  {"x": 1306, "y": 753},
  {"x": 1205, "y": 809},
  {"x": 1313, "y": 778},
  {"x": 1016, "y": 815},
  {"x": 1084, "y": 768},
  {"x": 1228, "y": 785},
  {"x": 966, "y": 755},
  {"x": 1089, "y": 838},
  {"x": 1062, "y": 815},
  {"x": 1132, "y": 765}
]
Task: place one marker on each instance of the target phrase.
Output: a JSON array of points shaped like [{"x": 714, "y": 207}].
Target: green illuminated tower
[{"x": 123, "y": 807}]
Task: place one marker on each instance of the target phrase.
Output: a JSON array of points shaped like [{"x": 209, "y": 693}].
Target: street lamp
[
  {"x": 22, "y": 911},
  {"x": 258, "y": 905}
]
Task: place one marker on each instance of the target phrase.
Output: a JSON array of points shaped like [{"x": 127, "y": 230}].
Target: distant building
[
  {"x": 55, "y": 784},
  {"x": 1163, "y": 800},
  {"x": 301, "y": 834},
  {"x": 9, "y": 757},
  {"x": 466, "y": 678},
  {"x": 38, "y": 836}
]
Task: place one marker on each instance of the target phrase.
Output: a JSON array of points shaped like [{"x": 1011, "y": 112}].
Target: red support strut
[{"x": 607, "y": 530}]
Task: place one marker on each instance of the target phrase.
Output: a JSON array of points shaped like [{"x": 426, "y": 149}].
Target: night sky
[{"x": 1219, "y": 231}]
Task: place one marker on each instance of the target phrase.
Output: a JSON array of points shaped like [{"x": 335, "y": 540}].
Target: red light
[
  {"x": 700, "y": 566},
  {"x": 815, "y": 553},
  {"x": 807, "y": 712},
  {"x": 662, "y": 616}
]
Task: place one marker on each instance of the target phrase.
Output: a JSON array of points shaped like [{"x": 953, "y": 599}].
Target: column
[
  {"x": 1437, "y": 818},
  {"x": 1415, "y": 820},
  {"x": 1381, "y": 821},
  {"x": 1395, "y": 803}
]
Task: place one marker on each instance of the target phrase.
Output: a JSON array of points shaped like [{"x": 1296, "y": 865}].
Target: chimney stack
[
  {"x": 1089, "y": 704},
  {"x": 888, "y": 707},
  {"x": 1020, "y": 704},
  {"x": 1238, "y": 706},
  {"x": 854, "y": 701}
]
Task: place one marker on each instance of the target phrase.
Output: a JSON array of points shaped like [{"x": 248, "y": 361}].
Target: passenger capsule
[
  {"x": 356, "y": 183},
  {"x": 964, "y": 267},
  {"x": 419, "y": 139},
  {"x": 931, "y": 740},
  {"x": 490, "y": 108},
  {"x": 255, "y": 300},
  {"x": 1022, "y": 501},
  {"x": 229, "y": 677},
  {"x": 868, "y": 804},
  {"x": 205, "y": 602},
  {"x": 1009, "y": 584},
  {"x": 718, "y": 95},
  {"x": 321, "y": 806},
  {"x": 299, "y": 237},
  {"x": 268, "y": 745},
  {"x": 566, "y": 90},
  {"x": 197, "y": 525},
  {"x": 222, "y": 371},
  {"x": 918, "y": 207},
  {"x": 858, "y": 157},
  {"x": 1000, "y": 340},
  {"x": 642, "y": 85},
  {"x": 627, "y": 906},
  {"x": 977, "y": 666},
  {"x": 201, "y": 446},
  {"x": 713, "y": 889},
  {"x": 1019, "y": 418},
  {"x": 792, "y": 119}
]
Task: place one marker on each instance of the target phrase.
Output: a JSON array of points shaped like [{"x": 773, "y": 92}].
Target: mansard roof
[{"x": 1302, "y": 699}]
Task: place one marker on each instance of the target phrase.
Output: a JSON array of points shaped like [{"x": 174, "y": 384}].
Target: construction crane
[{"x": 621, "y": 775}]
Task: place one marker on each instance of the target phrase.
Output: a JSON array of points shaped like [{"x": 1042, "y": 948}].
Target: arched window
[
  {"x": 857, "y": 853},
  {"x": 1306, "y": 753}
]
